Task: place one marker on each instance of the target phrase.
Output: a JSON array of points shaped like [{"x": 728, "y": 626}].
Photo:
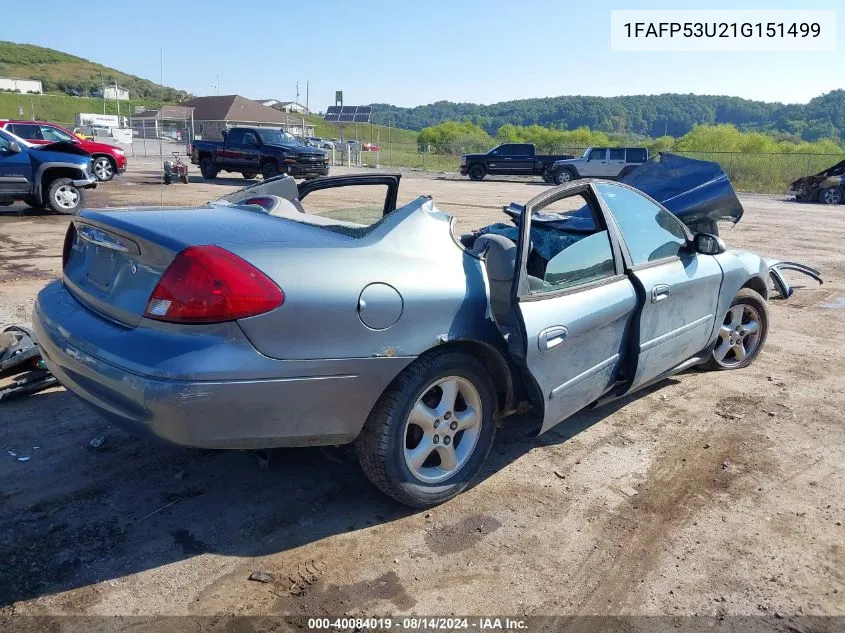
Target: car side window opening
[
  {"x": 249, "y": 139},
  {"x": 597, "y": 154},
  {"x": 637, "y": 155},
  {"x": 5, "y": 146},
  {"x": 617, "y": 154},
  {"x": 362, "y": 205},
  {"x": 235, "y": 137},
  {"x": 28, "y": 131},
  {"x": 53, "y": 134},
  {"x": 570, "y": 246},
  {"x": 651, "y": 232}
]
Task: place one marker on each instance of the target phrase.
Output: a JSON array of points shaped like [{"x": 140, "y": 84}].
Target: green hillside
[
  {"x": 61, "y": 73},
  {"x": 61, "y": 108}
]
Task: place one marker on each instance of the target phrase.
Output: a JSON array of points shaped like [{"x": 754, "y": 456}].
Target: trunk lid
[{"x": 114, "y": 259}]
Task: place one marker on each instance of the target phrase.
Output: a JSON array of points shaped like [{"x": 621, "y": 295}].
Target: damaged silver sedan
[{"x": 265, "y": 320}]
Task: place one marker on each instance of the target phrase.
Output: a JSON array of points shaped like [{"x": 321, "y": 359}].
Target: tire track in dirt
[{"x": 686, "y": 477}]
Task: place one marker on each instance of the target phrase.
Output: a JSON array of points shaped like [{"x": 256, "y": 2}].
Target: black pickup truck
[
  {"x": 259, "y": 150},
  {"x": 511, "y": 159}
]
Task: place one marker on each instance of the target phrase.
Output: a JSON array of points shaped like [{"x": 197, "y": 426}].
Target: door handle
[
  {"x": 551, "y": 337},
  {"x": 660, "y": 292}
]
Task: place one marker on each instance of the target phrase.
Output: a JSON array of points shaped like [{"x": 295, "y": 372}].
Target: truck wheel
[
  {"x": 269, "y": 170},
  {"x": 103, "y": 168},
  {"x": 547, "y": 177},
  {"x": 831, "y": 195},
  {"x": 208, "y": 169},
  {"x": 249, "y": 175},
  {"x": 64, "y": 197},
  {"x": 477, "y": 172},
  {"x": 564, "y": 175},
  {"x": 431, "y": 431}
]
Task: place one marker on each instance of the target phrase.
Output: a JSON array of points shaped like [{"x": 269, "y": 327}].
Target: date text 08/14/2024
[{"x": 419, "y": 623}]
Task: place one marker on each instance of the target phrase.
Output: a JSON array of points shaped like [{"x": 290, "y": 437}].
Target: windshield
[
  {"x": 55, "y": 134},
  {"x": 276, "y": 137},
  {"x": 586, "y": 152}
]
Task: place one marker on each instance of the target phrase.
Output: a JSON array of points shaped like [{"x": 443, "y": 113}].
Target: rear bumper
[
  {"x": 177, "y": 386},
  {"x": 463, "y": 170}
]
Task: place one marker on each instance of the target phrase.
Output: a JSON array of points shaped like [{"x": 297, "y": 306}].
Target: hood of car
[
  {"x": 70, "y": 152},
  {"x": 694, "y": 190}
]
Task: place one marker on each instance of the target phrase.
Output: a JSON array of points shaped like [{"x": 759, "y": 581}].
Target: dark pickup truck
[
  {"x": 511, "y": 159},
  {"x": 258, "y": 150}
]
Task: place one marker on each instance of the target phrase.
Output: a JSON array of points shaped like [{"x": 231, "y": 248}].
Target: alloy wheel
[
  {"x": 442, "y": 429},
  {"x": 67, "y": 197},
  {"x": 103, "y": 169},
  {"x": 739, "y": 335},
  {"x": 833, "y": 195}
]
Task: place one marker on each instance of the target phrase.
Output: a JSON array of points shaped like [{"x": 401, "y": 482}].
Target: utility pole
[
  {"x": 307, "y": 86},
  {"x": 297, "y": 93}
]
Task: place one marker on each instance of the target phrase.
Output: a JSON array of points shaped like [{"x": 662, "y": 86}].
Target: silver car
[{"x": 269, "y": 319}]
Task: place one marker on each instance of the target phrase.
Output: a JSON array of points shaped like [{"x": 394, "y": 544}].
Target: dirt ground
[{"x": 740, "y": 477}]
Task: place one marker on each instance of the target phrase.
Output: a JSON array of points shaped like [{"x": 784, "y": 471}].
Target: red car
[
  {"x": 370, "y": 147},
  {"x": 108, "y": 159}
]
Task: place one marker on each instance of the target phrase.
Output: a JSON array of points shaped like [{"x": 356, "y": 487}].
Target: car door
[
  {"x": 250, "y": 155},
  {"x": 615, "y": 162},
  {"x": 596, "y": 164},
  {"x": 232, "y": 154},
  {"x": 679, "y": 288},
  {"x": 521, "y": 159},
  {"x": 15, "y": 169},
  {"x": 571, "y": 298}
]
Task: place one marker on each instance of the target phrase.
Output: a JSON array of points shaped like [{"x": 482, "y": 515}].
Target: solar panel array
[{"x": 348, "y": 114}]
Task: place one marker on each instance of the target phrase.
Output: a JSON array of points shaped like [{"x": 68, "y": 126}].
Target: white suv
[{"x": 611, "y": 163}]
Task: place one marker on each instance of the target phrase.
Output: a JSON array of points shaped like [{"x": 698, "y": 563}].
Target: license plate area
[{"x": 101, "y": 267}]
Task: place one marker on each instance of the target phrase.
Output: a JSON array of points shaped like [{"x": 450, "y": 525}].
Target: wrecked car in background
[
  {"x": 53, "y": 177},
  {"x": 258, "y": 321},
  {"x": 827, "y": 186}
]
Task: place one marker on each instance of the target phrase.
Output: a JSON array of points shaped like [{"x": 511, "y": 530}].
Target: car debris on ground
[{"x": 21, "y": 357}]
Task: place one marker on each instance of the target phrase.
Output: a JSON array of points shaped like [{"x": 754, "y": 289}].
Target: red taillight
[
  {"x": 70, "y": 237},
  {"x": 208, "y": 284}
]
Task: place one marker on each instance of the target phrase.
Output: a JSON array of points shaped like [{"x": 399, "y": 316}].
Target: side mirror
[
  {"x": 15, "y": 147},
  {"x": 708, "y": 244}
]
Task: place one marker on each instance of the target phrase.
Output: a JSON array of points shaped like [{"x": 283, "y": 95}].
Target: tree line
[
  {"x": 653, "y": 116},
  {"x": 459, "y": 137}
]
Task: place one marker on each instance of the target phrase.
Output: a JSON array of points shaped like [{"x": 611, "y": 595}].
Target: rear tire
[
  {"x": 269, "y": 170},
  {"x": 412, "y": 446},
  {"x": 249, "y": 175},
  {"x": 477, "y": 172},
  {"x": 103, "y": 168},
  {"x": 627, "y": 170},
  {"x": 831, "y": 195},
  {"x": 64, "y": 197},
  {"x": 564, "y": 175},
  {"x": 208, "y": 169},
  {"x": 742, "y": 332}
]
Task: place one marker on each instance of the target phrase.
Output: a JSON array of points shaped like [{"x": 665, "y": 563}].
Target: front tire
[
  {"x": 831, "y": 195},
  {"x": 249, "y": 175},
  {"x": 742, "y": 333},
  {"x": 431, "y": 431},
  {"x": 208, "y": 169},
  {"x": 64, "y": 197},
  {"x": 477, "y": 172},
  {"x": 103, "y": 168}
]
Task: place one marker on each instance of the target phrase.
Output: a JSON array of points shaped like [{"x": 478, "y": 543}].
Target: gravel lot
[{"x": 740, "y": 477}]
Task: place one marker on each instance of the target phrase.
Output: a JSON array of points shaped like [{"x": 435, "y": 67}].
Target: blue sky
[{"x": 410, "y": 53}]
